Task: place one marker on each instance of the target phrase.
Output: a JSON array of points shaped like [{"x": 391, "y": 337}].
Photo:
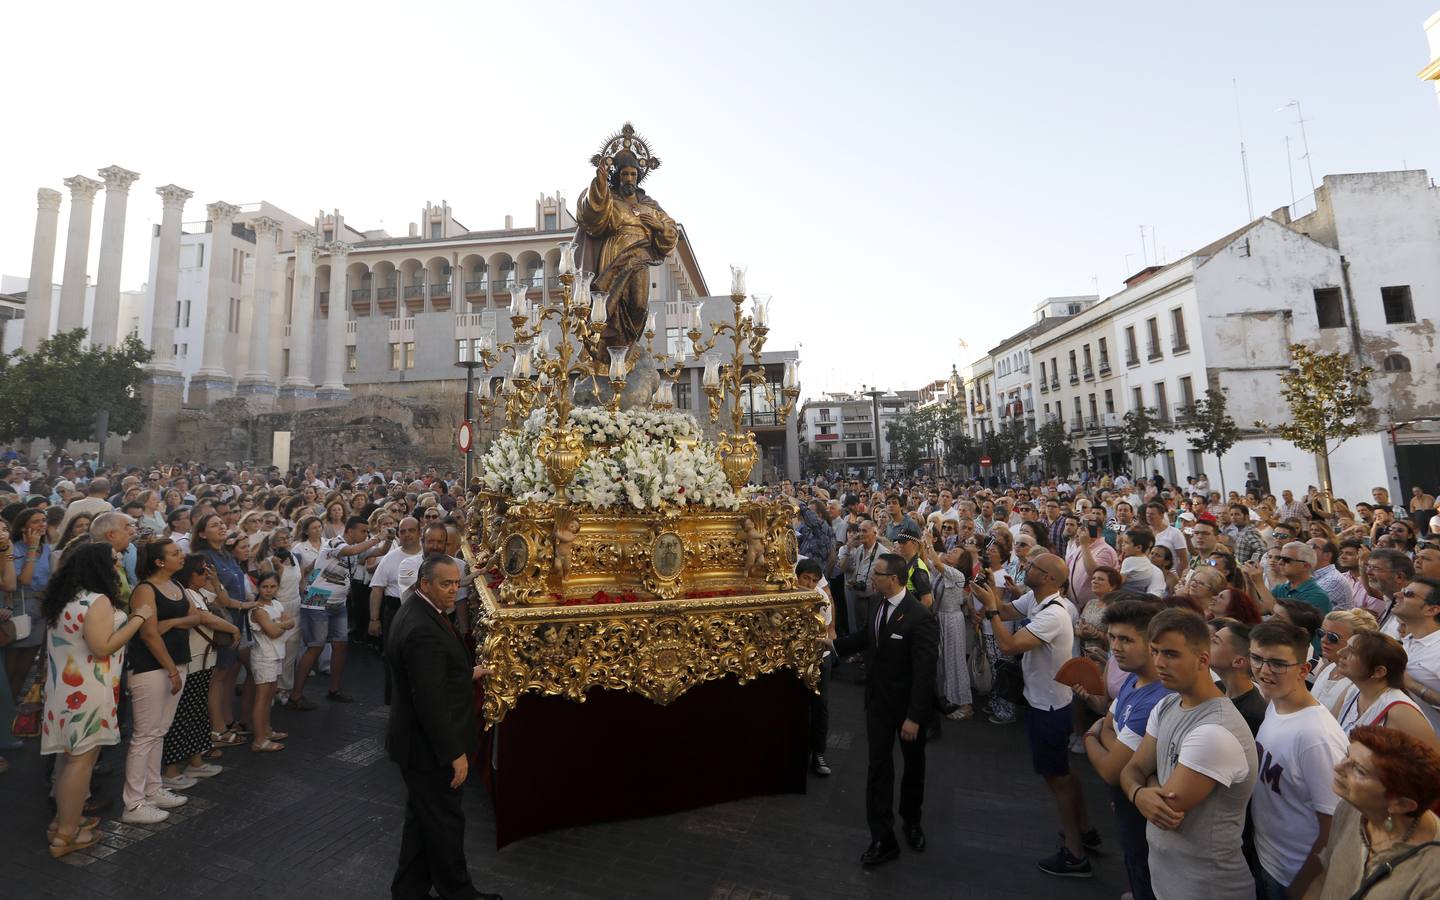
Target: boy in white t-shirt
[
  {"x": 1299, "y": 745},
  {"x": 1138, "y": 572}
]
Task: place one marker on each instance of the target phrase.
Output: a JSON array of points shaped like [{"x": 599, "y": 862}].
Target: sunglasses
[
  {"x": 1330, "y": 637},
  {"x": 1286, "y": 559}
]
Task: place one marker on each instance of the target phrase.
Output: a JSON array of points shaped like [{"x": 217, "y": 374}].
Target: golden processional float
[{"x": 623, "y": 550}]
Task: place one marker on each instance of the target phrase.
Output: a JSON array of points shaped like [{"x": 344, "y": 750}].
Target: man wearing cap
[
  {"x": 1204, "y": 534},
  {"x": 1297, "y": 565},
  {"x": 917, "y": 574}
]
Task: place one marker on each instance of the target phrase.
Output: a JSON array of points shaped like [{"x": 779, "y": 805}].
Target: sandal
[
  {"x": 266, "y": 747},
  {"x": 300, "y": 703},
  {"x": 278, "y": 735},
  {"x": 238, "y": 728},
  {"x": 213, "y": 754},
  {"x": 226, "y": 738},
  {"x": 72, "y": 843},
  {"x": 89, "y": 823},
  {"x": 961, "y": 713}
]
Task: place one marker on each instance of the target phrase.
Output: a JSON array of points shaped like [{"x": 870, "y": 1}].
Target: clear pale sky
[{"x": 899, "y": 176}]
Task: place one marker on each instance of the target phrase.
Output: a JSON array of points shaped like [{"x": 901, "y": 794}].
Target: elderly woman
[
  {"x": 953, "y": 603},
  {"x": 1331, "y": 686},
  {"x": 1375, "y": 664},
  {"x": 1387, "y": 784},
  {"x": 1213, "y": 594}
]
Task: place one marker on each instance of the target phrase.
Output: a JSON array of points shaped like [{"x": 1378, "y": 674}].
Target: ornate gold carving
[{"x": 658, "y": 649}]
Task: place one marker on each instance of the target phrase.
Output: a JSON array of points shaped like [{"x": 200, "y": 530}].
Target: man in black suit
[
  {"x": 432, "y": 735},
  {"x": 901, "y": 641}
]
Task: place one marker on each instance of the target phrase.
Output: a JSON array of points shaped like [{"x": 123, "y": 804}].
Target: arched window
[{"x": 1396, "y": 362}]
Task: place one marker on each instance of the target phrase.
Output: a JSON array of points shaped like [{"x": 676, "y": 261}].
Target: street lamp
[
  {"x": 875, "y": 417},
  {"x": 469, "y": 365}
]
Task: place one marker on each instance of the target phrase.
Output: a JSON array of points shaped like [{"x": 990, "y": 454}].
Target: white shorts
[{"x": 264, "y": 669}]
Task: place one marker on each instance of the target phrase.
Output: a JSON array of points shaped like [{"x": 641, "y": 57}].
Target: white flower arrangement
[{"x": 642, "y": 459}]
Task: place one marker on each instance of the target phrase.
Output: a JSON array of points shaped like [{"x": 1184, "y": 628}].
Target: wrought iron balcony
[
  {"x": 1074, "y": 377},
  {"x": 414, "y": 292},
  {"x": 385, "y": 293},
  {"x": 1153, "y": 352},
  {"x": 360, "y": 293},
  {"x": 475, "y": 287},
  {"x": 1089, "y": 374}
]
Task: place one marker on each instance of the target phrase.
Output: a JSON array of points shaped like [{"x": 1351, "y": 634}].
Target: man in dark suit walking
[
  {"x": 432, "y": 734},
  {"x": 901, "y": 642}
]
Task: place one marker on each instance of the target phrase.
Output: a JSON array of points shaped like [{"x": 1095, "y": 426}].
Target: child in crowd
[{"x": 268, "y": 624}]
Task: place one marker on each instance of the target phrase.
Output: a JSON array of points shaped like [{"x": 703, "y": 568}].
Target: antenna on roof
[
  {"x": 1304, "y": 140},
  {"x": 1244, "y": 161}
]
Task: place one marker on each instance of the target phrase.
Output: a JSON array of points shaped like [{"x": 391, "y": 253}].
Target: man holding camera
[
  {"x": 857, "y": 557},
  {"x": 1085, "y": 552}
]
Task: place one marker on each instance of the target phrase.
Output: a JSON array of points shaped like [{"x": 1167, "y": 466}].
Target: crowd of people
[
  {"x": 1255, "y": 679},
  {"x": 177, "y": 607}
]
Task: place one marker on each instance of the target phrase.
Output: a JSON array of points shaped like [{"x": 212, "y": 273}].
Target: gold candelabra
[{"x": 729, "y": 381}]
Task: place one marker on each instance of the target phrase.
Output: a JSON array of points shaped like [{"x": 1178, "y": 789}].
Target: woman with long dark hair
[
  {"x": 187, "y": 743},
  {"x": 85, "y": 649},
  {"x": 228, "y": 583},
  {"x": 29, "y": 539}
]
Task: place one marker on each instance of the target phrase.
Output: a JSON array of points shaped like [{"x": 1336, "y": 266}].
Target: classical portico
[
  {"x": 105, "y": 317},
  {"x": 38, "y": 296},
  {"x": 77, "y": 252}
]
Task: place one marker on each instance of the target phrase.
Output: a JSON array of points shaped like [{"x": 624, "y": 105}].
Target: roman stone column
[
  {"x": 298, "y": 389},
  {"x": 334, "y": 386},
  {"x": 167, "y": 280},
  {"x": 104, "y": 320},
  {"x": 39, "y": 293},
  {"x": 214, "y": 381},
  {"x": 77, "y": 252},
  {"x": 258, "y": 381}
]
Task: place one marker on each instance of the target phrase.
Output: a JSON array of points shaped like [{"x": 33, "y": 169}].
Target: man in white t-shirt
[
  {"x": 1136, "y": 569},
  {"x": 1417, "y": 606},
  {"x": 1048, "y": 642},
  {"x": 1194, "y": 772},
  {"x": 1167, "y": 535},
  {"x": 1299, "y": 745}
]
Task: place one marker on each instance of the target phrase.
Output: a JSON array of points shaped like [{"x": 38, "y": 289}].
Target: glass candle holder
[
  {"x": 792, "y": 373},
  {"x": 580, "y": 291},
  {"x": 737, "y": 281},
  {"x": 696, "y": 322},
  {"x": 711, "y": 378},
  {"x": 567, "y": 258},
  {"x": 650, "y": 323},
  {"x": 598, "y": 311},
  {"x": 617, "y": 363},
  {"x": 760, "y": 310},
  {"x": 519, "y": 305}
]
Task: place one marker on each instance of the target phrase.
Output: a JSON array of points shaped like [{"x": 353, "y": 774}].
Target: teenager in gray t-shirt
[{"x": 1192, "y": 776}]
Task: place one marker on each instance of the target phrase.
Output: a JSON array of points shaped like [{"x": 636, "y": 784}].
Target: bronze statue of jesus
[{"x": 622, "y": 233}]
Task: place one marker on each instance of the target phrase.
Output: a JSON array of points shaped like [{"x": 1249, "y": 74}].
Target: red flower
[{"x": 75, "y": 700}]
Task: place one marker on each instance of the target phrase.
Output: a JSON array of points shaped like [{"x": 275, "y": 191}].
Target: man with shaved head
[
  {"x": 394, "y": 576},
  {"x": 1047, "y": 641}
]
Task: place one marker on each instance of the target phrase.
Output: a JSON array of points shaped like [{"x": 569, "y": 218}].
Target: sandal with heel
[{"x": 73, "y": 842}]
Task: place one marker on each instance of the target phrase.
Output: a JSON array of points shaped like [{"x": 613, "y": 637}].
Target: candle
[
  {"x": 617, "y": 362},
  {"x": 598, "y": 301},
  {"x": 518, "y": 304},
  {"x": 567, "y": 258},
  {"x": 737, "y": 281},
  {"x": 662, "y": 393},
  {"x": 544, "y": 346},
  {"x": 696, "y": 323},
  {"x": 711, "y": 378},
  {"x": 760, "y": 303},
  {"x": 792, "y": 373},
  {"x": 650, "y": 323},
  {"x": 520, "y": 368},
  {"x": 482, "y": 390},
  {"x": 486, "y": 342}
]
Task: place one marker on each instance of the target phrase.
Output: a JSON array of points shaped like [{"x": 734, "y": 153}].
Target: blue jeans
[
  {"x": 7, "y": 708},
  {"x": 1130, "y": 827},
  {"x": 1269, "y": 888}
]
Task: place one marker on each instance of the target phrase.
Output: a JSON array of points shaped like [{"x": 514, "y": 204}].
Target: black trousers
[
  {"x": 357, "y": 612},
  {"x": 820, "y": 709},
  {"x": 432, "y": 846},
  {"x": 881, "y": 732},
  {"x": 389, "y": 606}
]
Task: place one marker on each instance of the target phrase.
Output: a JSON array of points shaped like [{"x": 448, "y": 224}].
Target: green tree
[
  {"x": 961, "y": 450},
  {"x": 1137, "y": 434},
  {"x": 906, "y": 439},
  {"x": 1328, "y": 396},
  {"x": 56, "y": 391},
  {"x": 1211, "y": 428},
  {"x": 1055, "y": 447},
  {"x": 815, "y": 460},
  {"x": 1012, "y": 443}
]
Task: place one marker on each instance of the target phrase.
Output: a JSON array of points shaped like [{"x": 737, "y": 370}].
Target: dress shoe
[
  {"x": 915, "y": 837},
  {"x": 880, "y": 852}
]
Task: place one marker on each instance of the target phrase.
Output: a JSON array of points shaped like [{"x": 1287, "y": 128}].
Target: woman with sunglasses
[
  {"x": 1375, "y": 664},
  {"x": 1332, "y": 688}
]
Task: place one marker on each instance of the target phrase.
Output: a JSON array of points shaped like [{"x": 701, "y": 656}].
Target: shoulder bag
[{"x": 982, "y": 673}]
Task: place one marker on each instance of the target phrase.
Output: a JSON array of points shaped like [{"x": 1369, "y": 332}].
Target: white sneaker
[
  {"x": 166, "y": 800},
  {"x": 144, "y": 814},
  {"x": 178, "y": 782},
  {"x": 204, "y": 770},
  {"x": 1077, "y": 745}
]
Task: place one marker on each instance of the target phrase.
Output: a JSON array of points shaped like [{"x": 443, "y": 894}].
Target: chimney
[
  {"x": 1142, "y": 275},
  {"x": 414, "y": 230},
  {"x": 509, "y": 223}
]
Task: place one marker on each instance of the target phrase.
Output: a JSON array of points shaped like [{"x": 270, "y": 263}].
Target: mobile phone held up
[{"x": 1094, "y": 529}]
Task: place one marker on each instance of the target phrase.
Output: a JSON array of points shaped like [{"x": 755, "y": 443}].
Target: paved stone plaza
[{"x": 322, "y": 820}]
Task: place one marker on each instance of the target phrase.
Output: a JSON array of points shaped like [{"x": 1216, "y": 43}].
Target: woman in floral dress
[{"x": 85, "y": 652}]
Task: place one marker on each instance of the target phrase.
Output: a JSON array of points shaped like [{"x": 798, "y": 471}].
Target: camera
[{"x": 1093, "y": 528}]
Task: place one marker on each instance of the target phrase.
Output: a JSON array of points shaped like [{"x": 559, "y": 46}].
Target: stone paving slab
[{"x": 322, "y": 820}]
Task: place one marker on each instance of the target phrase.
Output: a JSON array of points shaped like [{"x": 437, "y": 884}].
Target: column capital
[
  {"x": 118, "y": 179},
  {"x": 338, "y": 249},
  {"x": 265, "y": 226},
  {"x": 221, "y": 212},
  {"x": 173, "y": 195},
  {"x": 82, "y": 188},
  {"x": 48, "y": 198},
  {"x": 304, "y": 238}
]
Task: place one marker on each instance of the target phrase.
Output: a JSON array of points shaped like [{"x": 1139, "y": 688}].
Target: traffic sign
[
  {"x": 466, "y": 437},
  {"x": 984, "y": 460}
]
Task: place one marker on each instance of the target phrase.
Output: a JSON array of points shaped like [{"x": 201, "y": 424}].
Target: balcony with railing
[
  {"x": 1074, "y": 377},
  {"x": 440, "y": 289},
  {"x": 385, "y": 292},
  {"x": 1044, "y": 387},
  {"x": 414, "y": 292},
  {"x": 1077, "y": 424},
  {"x": 1153, "y": 352},
  {"x": 1054, "y": 382},
  {"x": 1179, "y": 344},
  {"x": 1104, "y": 365},
  {"x": 1132, "y": 358},
  {"x": 1092, "y": 424},
  {"x": 476, "y": 288},
  {"x": 362, "y": 293},
  {"x": 1089, "y": 374}
]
